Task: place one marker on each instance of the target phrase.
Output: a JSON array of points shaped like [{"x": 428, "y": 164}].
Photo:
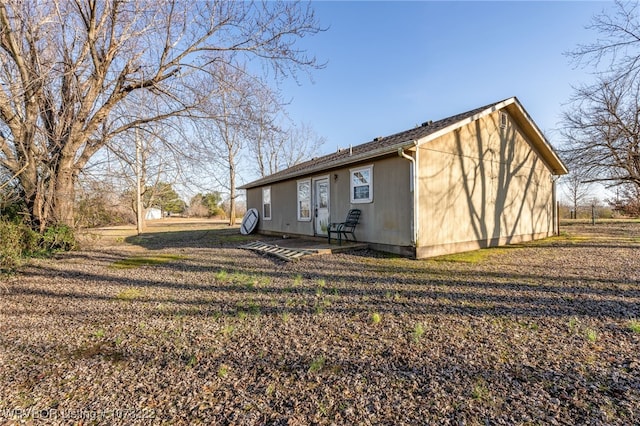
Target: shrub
[
  {"x": 12, "y": 211},
  {"x": 10, "y": 245},
  {"x": 58, "y": 237},
  {"x": 18, "y": 240},
  {"x": 30, "y": 240}
]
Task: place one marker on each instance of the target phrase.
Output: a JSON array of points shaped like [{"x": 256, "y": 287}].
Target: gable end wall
[{"x": 482, "y": 186}]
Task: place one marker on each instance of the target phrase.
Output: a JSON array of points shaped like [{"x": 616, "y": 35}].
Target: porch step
[{"x": 283, "y": 253}]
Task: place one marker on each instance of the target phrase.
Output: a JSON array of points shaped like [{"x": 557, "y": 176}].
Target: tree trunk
[
  {"x": 63, "y": 201},
  {"x": 31, "y": 187},
  {"x": 232, "y": 193}
]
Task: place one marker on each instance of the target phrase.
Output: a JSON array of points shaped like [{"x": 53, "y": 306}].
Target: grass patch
[
  {"x": 139, "y": 261},
  {"x": 376, "y": 318},
  {"x": 235, "y": 238},
  {"x": 129, "y": 294},
  {"x": 417, "y": 333},
  {"x": 241, "y": 278},
  {"x": 192, "y": 361},
  {"x": 297, "y": 280},
  {"x": 474, "y": 257},
  {"x": 564, "y": 238},
  {"x": 228, "y": 330},
  {"x": 634, "y": 325},
  {"x": 253, "y": 307},
  {"x": 250, "y": 281},
  {"x": 320, "y": 305},
  {"x": 317, "y": 364},
  {"x": 223, "y": 371},
  {"x": 270, "y": 390},
  {"x": 480, "y": 391},
  {"x": 591, "y": 335}
]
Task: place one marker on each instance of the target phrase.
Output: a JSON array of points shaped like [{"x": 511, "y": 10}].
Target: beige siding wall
[
  {"x": 482, "y": 185},
  {"x": 386, "y": 221},
  {"x": 284, "y": 213}
]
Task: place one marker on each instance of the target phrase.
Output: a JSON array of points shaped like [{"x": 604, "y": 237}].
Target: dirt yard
[{"x": 180, "y": 326}]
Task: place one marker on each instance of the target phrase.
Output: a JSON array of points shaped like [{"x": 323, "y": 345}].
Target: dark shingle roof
[{"x": 377, "y": 147}]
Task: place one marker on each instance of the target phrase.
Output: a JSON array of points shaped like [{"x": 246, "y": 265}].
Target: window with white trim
[
  {"x": 304, "y": 200},
  {"x": 362, "y": 184},
  {"x": 266, "y": 203}
]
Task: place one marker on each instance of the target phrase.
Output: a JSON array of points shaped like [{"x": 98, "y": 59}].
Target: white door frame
[{"x": 317, "y": 220}]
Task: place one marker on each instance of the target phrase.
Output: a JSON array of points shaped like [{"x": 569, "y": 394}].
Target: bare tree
[
  {"x": 577, "y": 189},
  {"x": 603, "y": 132},
  {"x": 265, "y": 132},
  {"x": 617, "y": 47},
  {"x": 99, "y": 204},
  {"x": 627, "y": 201},
  {"x": 68, "y": 66},
  {"x": 301, "y": 142},
  {"x": 274, "y": 141},
  {"x": 602, "y": 124},
  {"x": 280, "y": 147},
  {"x": 224, "y": 132},
  {"x": 9, "y": 195},
  {"x": 154, "y": 159}
]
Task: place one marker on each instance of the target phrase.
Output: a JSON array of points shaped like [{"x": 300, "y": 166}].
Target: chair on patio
[{"x": 346, "y": 227}]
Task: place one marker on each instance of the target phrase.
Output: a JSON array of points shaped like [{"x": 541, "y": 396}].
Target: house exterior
[
  {"x": 153, "y": 213},
  {"x": 482, "y": 178}
]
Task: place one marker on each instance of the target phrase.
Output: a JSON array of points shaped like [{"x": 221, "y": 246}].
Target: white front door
[{"x": 321, "y": 205}]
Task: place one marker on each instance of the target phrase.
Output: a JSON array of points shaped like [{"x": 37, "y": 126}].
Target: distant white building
[{"x": 153, "y": 213}]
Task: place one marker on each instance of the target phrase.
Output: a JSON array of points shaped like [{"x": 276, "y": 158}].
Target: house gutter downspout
[
  {"x": 413, "y": 187},
  {"x": 554, "y": 201}
]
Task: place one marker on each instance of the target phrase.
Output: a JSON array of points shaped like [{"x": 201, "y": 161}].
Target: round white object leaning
[{"x": 249, "y": 222}]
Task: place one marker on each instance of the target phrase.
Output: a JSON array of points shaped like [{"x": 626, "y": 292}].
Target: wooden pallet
[{"x": 283, "y": 253}]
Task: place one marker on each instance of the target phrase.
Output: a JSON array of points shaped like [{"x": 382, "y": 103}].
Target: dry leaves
[{"x": 540, "y": 333}]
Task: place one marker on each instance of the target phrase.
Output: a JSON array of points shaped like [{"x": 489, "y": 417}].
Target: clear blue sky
[{"x": 393, "y": 65}]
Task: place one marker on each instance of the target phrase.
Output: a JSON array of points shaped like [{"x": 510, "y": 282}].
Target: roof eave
[
  {"x": 380, "y": 152},
  {"x": 555, "y": 164},
  {"x": 465, "y": 121},
  {"x": 543, "y": 146}
]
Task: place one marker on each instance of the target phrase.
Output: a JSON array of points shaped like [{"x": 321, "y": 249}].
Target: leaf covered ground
[{"x": 185, "y": 328}]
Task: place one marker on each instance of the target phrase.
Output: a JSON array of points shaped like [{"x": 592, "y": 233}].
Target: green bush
[
  {"x": 12, "y": 210},
  {"x": 10, "y": 245},
  {"x": 18, "y": 240},
  {"x": 58, "y": 237},
  {"x": 29, "y": 240}
]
